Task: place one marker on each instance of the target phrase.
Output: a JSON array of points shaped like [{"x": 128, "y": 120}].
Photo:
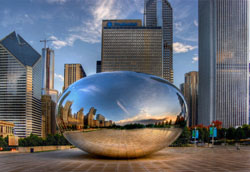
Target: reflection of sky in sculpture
[{"x": 124, "y": 95}]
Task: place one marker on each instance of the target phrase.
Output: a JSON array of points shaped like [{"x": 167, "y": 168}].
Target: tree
[
  {"x": 222, "y": 133},
  {"x": 217, "y": 124},
  {"x": 184, "y": 137},
  {"x": 231, "y": 133},
  {"x": 3, "y": 143},
  {"x": 239, "y": 134},
  {"x": 34, "y": 140},
  {"x": 246, "y": 129}
]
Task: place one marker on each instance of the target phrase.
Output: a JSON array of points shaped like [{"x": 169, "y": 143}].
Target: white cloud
[
  {"x": 195, "y": 58},
  {"x": 182, "y": 48},
  {"x": 56, "y": 1},
  {"x": 13, "y": 19},
  {"x": 122, "y": 107},
  {"x": 90, "y": 30},
  {"x": 56, "y": 43},
  {"x": 90, "y": 89},
  {"x": 178, "y": 27},
  {"x": 59, "y": 77},
  {"x": 139, "y": 4},
  {"x": 196, "y": 23}
]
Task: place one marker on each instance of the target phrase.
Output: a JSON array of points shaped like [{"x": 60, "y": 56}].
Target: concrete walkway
[{"x": 188, "y": 159}]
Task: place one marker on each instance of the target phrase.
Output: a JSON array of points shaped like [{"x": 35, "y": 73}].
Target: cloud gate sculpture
[{"x": 121, "y": 114}]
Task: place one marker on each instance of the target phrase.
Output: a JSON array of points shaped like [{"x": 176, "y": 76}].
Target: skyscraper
[
  {"x": 223, "y": 62},
  {"x": 190, "y": 92},
  {"x": 20, "y": 88},
  {"x": 48, "y": 58},
  {"x": 160, "y": 13},
  {"x": 128, "y": 46},
  {"x": 72, "y": 73},
  {"x": 48, "y": 116},
  {"x": 98, "y": 66}
]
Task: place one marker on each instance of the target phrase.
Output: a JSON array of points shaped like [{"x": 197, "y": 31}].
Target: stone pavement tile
[{"x": 170, "y": 159}]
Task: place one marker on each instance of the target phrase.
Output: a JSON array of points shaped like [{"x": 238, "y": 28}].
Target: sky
[{"x": 74, "y": 26}]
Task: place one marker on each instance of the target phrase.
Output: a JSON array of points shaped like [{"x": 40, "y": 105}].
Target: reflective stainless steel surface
[{"x": 121, "y": 114}]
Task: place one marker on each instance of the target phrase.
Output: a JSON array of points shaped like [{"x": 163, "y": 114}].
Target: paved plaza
[{"x": 187, "y": 159}]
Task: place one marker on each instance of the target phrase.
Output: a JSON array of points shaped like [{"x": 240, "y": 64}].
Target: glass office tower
[
  {"x": 159, "y": 13},
  {"x": 20, "y": 88},
  {"x": 72, "y": 73},
  {"x": 223, "y": 62},
  {"x": 190, "y": 92},
  {"x": 127, "y": 46},
  {"x": 48, "y": 62}
]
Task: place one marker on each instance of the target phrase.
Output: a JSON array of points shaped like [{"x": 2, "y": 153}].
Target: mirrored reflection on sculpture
[{"x": 121, "y": 114}]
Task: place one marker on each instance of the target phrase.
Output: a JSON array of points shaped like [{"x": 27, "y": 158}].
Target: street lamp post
[
  {"x": 213, "y": 135},
  {"x": 195, "y": 136}
]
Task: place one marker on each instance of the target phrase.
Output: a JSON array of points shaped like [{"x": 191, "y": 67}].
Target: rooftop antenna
[{"x": 45, "y": 42}]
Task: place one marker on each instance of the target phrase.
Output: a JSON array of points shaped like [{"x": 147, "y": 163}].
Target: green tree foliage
[
  {"x": 231, "y": 133},
  {"x": 246, "y": 129},
  {"x": 203, "y": 134},
  {"x": 222, "y": 132},
  {"x": 184, "y": 138},
  {"x": 34, "y": 140},
  {"x": 239, "y": 134},
  {"x": 3, "y": 143}
]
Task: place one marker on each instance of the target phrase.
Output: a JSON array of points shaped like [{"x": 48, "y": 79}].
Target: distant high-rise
[
  {"x": 48, "y": 116},
  {"x": 160, "y": 13},
  {"x": 49, "y": 94},
  {"x": 72, "y": 73},
  {"x": 21, "y": 85},
  {"x": 128, "y": 46},
  {"x": 190, "y": 92},
  {"x": 98, "y": 66},
  {"x": 223, "y": 62},
  {"x": 48, "y": 58}
]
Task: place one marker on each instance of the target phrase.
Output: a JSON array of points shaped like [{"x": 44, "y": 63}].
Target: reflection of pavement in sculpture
[{"x": 123, "y": 143}]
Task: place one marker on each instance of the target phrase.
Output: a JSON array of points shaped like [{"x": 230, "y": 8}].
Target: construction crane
[{"x": 45, "y": 42}]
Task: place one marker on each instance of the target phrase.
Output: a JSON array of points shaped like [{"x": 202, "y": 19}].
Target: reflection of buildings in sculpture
[
  {"x": 48, "y": 116},
  {"x": 98, "y": 66},
  {"x": 6, "y": 128},
  {"x": 101, "y": 119},
  {"x": 107, "y": 123},
  {"x": 88, "y": 119},
  {"x": 72, "y": 73},
  {"x": 75, "y": 121},
  {"x": 80, "y": 119},
  {"x": 96, "y": 123},
  {"x": 66, "y": 112}
]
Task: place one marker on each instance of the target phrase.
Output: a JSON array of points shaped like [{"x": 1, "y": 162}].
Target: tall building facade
[
  {"x": 72, "y": 73},
  {"x": 21, "y": 84},
  {"x": 48, "y": 58},
  {"x": 190, "y": 92},
  {"x": 223, "y": 62},
  {"x": 48, "y": 116},
  {"x": 160, "y": 13},
  {"x": 128, "y": 46},
  {"x": 98, "y": 66},
  {"x": 49, "y": 94},
  {"x": 6, "y": 129}
]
